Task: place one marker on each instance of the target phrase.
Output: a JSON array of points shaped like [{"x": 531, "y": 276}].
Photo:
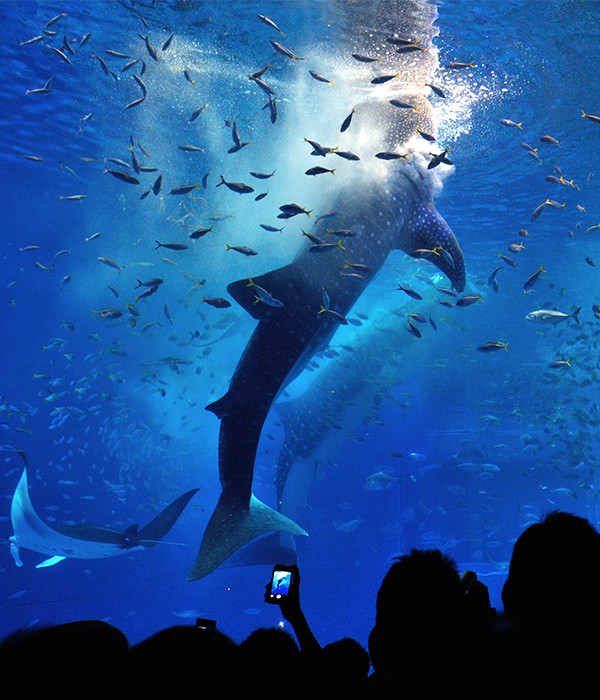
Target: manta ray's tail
[{"x": 230, "y": 528}]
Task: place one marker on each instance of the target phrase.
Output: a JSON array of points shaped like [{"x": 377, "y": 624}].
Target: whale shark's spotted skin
[
  {"x": 399, "y": 214},
  {"x": 389, "y": 205}
]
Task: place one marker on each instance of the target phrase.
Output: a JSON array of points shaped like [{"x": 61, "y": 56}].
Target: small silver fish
[{"x": 551, "y": 316}]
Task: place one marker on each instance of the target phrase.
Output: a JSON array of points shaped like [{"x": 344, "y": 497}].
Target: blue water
[{"x": 477, "y": 445}]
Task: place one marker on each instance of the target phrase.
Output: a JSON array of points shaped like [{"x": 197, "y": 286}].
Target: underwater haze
[{"x": 148, "y": 163}]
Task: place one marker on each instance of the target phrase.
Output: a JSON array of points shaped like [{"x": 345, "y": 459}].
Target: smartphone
[
  {"x": 280, "y": 583},
  {"x": 203, "y": 624}
]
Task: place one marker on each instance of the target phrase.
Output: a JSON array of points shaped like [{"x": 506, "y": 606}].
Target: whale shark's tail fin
[
  {"x": 270, "y": 549},
  {"x": 231, "y": 527},
  {"x": 159, "y": 526}
]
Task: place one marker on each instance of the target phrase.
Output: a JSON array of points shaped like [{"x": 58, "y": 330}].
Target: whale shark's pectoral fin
[
  {"x": 427, "y": 230},
  {"x": 49, "y": 562},
  {"x": 230, "y": 528}
]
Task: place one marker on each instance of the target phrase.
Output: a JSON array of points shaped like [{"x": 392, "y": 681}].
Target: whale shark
[
  {"x": 386, "y": 204},
  {"x": 345, "y": 390},
  {"x": 82, "y": 541}
]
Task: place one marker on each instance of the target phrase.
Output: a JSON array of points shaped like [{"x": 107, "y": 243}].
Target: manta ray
[
  {"x": 82, "y": 541},
  {"x": 386, "y": 204}
]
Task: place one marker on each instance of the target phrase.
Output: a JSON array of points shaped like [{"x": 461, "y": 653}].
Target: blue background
[{"x": 478, "y": 445}]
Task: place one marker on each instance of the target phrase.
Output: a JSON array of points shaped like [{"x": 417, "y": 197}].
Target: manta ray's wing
[
  {"x": 30, "y": 532},
  {"x": 131, "y": 537},
  {"x": 82, "y": 541},
  {"x": 158, "y": 527}
]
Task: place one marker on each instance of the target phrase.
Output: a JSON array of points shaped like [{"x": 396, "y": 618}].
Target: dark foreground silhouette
[{"x": 435, "y": 635}]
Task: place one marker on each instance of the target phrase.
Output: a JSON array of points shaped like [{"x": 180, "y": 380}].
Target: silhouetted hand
[
  {"x": 290, "y": 604},
  {"x": 292, "y": 612}
]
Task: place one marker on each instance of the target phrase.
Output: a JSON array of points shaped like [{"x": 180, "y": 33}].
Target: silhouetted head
[
  {"x": 188, "y": 661},
  {"x": 418, "y": 610},
  {"x": 423, "y": 586},
  {"x": 346, "y": 667},
  {"x": 554, "y": 570},
  {"x": 69, "y": 659},
  {"x": 270, "y": 655}
]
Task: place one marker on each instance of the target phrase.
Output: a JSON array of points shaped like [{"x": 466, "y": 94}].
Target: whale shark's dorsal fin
[{"x": 231, "y": 527}]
